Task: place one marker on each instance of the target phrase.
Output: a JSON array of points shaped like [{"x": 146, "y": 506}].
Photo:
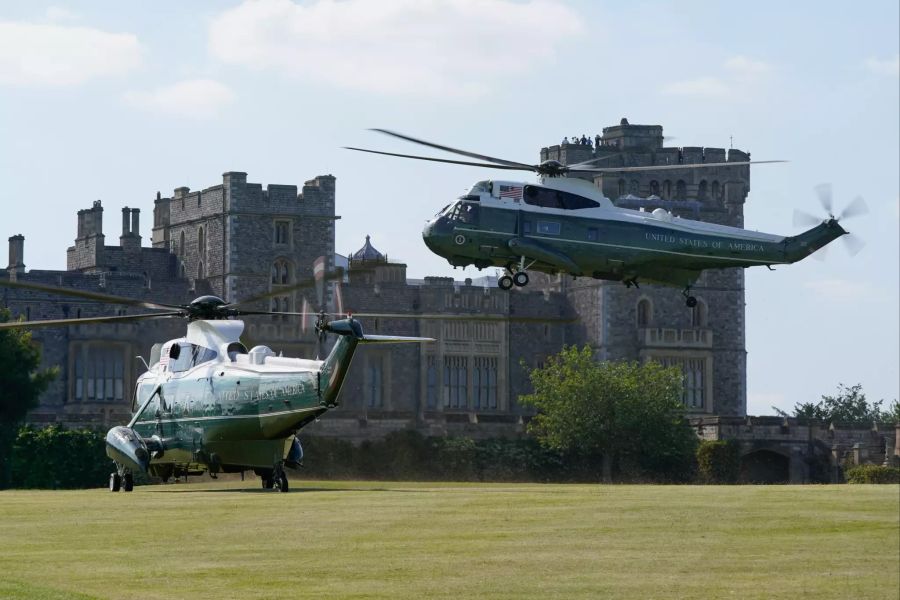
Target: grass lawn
[{"x": 426, "y": 540}]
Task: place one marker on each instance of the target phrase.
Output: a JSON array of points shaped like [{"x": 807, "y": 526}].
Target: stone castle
[{"x": 239, "y": 240}]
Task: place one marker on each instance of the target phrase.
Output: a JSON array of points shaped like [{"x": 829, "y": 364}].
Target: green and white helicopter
[
  {"x": 208, "y": 404},
  {"x": 566, "y": 225}
]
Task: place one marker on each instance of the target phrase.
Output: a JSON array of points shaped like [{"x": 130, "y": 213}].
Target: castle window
[
  {"x": 681, "y": 190},
  {"x": 716, "y": 190},
  {"x": 702, "y": 190},
  {"x": 375, "y": 383},
  {"x": 431, "y": 382},
  {"x": 456, "y": 394},
  {"x": 693, "y": 378},
  {"x": 281, "y": 272},
  {"x": 667, "y": 189},
  {"x": 621, "y": 187},
  {"x": 200, "y": 270},
  {"x": 699, "y": 314},
  {"x": 99, "y": 373},
  {"x": 282, "y": 233},
  {"x": 201, "y": 243},
  {"x": 654, "y": 188},
  {"x": 180, "y": 248},
  {"x": 484, "y": 382},
  {"x": 644, "y": 313},
  {"x": 634, "y": 187}
]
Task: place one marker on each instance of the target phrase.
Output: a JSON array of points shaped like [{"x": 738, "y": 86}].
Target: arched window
[
  {"x": 716, "y": 190},
  {"x": 281, "y": 272},
  {"x": 181, "y": 244},
  {"x": 200, "y": 270},
  {"x": 182, "y": 272},
  {"x": 201, "y": 243},
  {"x": 644, "y": 313},
  {"x": 681, "y": 190},
  {"x": 667, "y": 190},
  {"x": 621, "y": 187},
  {"x": 699, "y": 314},
  {"x": 654, "y": 188},
  {"x": 702, "y": 190}
]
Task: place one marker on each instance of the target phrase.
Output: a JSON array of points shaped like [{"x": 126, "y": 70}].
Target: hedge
[{"x": 872, "y": 474}]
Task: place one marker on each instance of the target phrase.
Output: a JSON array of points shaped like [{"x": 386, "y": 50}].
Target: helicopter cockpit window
[
  {"x": 200, "y": 355},
  {"x": 464, "y": 212},
  {"x": 179, "y": 358}
]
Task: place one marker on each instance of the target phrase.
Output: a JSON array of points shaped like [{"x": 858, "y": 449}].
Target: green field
[{"x": 405, "y": 540}]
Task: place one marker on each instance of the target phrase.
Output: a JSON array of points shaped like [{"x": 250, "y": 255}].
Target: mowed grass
[{"x": 426, "y": 540}]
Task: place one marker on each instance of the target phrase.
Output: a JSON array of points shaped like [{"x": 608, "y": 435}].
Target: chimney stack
[
  {"x": 16, "y": 256},
  {"x": 125, "y": 222},
  {"x": 136, "y": 222}
]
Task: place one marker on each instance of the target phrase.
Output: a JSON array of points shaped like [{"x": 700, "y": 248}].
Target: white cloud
[
  {"x": 54, "y": 55},
  {"x": 194, "y": 99},
  {"x": 887, "y": 66},
  {"x": 743, "y": 66},
  {"x": 740, "y": 73},
  {"x": 58, "y": 13},
  {"x": 460, "y": 48},
  {"x": 707, "y": 87},
  {"x": 841, "y": 290}
]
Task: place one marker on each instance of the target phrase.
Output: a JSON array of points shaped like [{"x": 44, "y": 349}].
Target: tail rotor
[{"x": 856, "y": 208}]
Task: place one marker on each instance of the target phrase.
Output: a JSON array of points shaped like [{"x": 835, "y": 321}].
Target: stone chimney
[
  {"x": 16, "y": 256},
  {"x": 131, "y": 238}
]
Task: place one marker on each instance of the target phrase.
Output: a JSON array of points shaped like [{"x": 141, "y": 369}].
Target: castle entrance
[{"x": 764, "y": 466}]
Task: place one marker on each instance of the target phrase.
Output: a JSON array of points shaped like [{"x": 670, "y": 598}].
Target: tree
[
  {"x": 848, "y": 406},
  {"x": 21, "y": 383},
  {"x": 620, "y": 411}
]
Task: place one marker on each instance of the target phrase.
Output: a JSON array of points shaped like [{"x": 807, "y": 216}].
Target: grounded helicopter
[
  {"x": 567, "y": 225},
  {"x": 206, "y": 403}
]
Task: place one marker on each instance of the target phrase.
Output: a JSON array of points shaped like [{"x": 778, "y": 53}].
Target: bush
[
  {"x": 57, "y": 458},
  {"x": 718, "y": 461},
  {"x": 872, "y": 474}
]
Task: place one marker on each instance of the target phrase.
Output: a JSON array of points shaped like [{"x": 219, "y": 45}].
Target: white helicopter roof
[{"x": 212, "y": 334}]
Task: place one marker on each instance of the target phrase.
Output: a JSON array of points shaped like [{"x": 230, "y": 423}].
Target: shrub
[
  {"x": 718, "y": 461},
  {"x": 872, "y": 474},
  {"x": 55, "y": 457}
]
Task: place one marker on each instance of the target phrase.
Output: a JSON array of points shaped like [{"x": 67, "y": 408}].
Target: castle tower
[
  {"x": 708, "y": 341},
  {"x": 87, "y": 254},
  {"x": 16, "y": 256}
]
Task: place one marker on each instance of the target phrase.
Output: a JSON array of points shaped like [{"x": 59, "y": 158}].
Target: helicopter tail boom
[{"x": 800, "y": 246}]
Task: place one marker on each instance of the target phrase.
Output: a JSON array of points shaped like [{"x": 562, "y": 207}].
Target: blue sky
[{"x": 116, "y": 100}]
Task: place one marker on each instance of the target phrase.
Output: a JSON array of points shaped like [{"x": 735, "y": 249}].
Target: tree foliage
[
  {"x": 624, "y": 412},
  {"x": 21, "y": 383},
  {"x": 848, "y": 406}
]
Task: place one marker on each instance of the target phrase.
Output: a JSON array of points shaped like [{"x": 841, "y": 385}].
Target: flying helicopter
[
  {"x": 208, "y": 404},
  {"x": 566, "y": 225}
]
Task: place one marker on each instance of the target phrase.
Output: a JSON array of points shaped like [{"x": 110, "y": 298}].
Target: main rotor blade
[
  {"x": 443, "y": 160},
  {"x": 804, "y": 219},
  {"x": 853, "y": 244},
  {"x": 856, "y": 208},
  {"x": 96, "y": 296},
  {"x": 671, "y": 167},
  {"x": 499, "y": 161},
  {"x": 87, "y": 320},
  {"x": 308, "y": 282},
  {"x": 823, "y": 190},
  {"x": 590, "y": 162},
  {"x": 472, "y": 317}
]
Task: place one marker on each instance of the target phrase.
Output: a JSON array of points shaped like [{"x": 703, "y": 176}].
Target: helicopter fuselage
[{"x": 567, "y": 225}]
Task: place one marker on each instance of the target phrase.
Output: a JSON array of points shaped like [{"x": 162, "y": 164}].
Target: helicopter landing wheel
[
  {"x": 281, "y": 482},
  {"x": 691, "y": 301},
  {"x": 115, "y": 482},
  {"x": 505, "y": 282},
  {"x": 520, "y": 279},
  {"x": 268, "y": 481},
  {"x": 127, "y": 482}
]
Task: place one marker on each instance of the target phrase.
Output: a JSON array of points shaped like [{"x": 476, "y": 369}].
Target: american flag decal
[{"x": 511, "y": 191}]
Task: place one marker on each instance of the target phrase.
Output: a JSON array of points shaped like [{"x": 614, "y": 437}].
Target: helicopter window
[
  {"x": 592, "y": 234},
  {"x": 548, "y": 227},
  {"x": 526, "y": 227},
  {"x": 541, "y": 196},
  {"x": 480, "y": 187},
  {"x": 179, "y": 358},
  {"x": 468, "y": 213},
  {"x": 574, "y": 201},
  {"x": 200, "y": 355}
]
